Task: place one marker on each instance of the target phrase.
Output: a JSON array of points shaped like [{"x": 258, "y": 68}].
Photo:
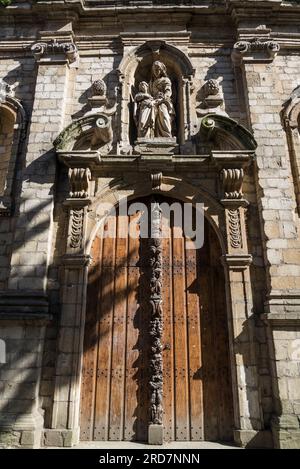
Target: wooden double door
[{"x": 197, "y": 399}]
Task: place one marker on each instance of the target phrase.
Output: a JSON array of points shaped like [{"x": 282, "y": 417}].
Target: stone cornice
[
  {"x": 76, "y": 261},
  {"x": 131, "y": 163},
  {"x": 249, "y": 18},
  {"x": 282, "y": 308},
  {"x": 31, "y": 306},
  {"x": 31, "y": 319},
  {"x": 238, "y": 9},
  {"x": 282, "y": 319},
  {"x": 237, "y": 261}
]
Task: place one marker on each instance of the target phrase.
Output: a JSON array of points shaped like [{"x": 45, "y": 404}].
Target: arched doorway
[{"x": 197, "y": 398}]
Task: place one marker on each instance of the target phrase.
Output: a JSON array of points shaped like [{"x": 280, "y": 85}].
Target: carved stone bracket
[
  {"x": 255, "y": 50},
  {"x": 232, "y": 198},
  {"x": 232, "y": 166},
  {"x": 232, "y": 182},
  {"x": 58, "y": 51},
  {"x": 79, "y": 179},
  {"x": 156, "y": 180}
]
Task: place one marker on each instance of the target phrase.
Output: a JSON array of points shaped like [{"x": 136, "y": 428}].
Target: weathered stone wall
[
  {"x": 18, "y": 70},
  {"x": 268, "y": 87}
]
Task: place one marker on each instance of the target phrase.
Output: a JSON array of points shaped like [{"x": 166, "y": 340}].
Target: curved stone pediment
[
  {"x": 91, "y": 132},
  {"x": 223, "y": 131}
]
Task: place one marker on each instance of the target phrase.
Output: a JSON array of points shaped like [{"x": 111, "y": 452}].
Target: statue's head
[
  {"x": 143, "y": 87},
  {"x": 159, "y": 69}
]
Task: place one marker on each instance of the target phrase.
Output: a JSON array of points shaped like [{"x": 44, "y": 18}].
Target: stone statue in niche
[{"x": 154, "y": 110}]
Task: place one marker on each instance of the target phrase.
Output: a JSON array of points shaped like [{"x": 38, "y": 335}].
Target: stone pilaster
[
  {"x": 277, "y": 197},
  {"x": 33, "y": 235},
  {"x": 65, "y": 417},
  {"x": 66, "y": 406},
  {"x": 282, "y": 319},
  {"x": 26, "y": 298},
  {"x": 237, "y": 261}
]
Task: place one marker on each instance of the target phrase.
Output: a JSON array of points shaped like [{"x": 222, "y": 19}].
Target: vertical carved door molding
[{"x": 155, "y": 430}]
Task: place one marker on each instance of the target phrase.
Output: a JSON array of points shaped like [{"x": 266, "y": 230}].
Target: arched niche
[
  {"x": 290, "y": 116},
  {"x": 136, "y": 67},
  {"x": 12, "y": 134}
]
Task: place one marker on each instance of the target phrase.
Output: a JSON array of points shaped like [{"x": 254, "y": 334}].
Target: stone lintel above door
[{"x": 97, "y": 163}]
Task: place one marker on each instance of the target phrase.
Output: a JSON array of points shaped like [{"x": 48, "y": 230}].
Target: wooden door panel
[
  {"x": 89, "y": 370},
  {"x": 197, "y": 399},
  {"x": 194, "y": 346},
  {"x": 131, "y": 339},
  {"x": 168, "y": 340},
  {"x": 180, "y": 338},
  {"x": 105, "y": 318}
]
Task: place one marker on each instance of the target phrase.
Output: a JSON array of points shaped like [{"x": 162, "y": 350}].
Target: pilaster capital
[
  {"x": 254, "y": 50},
  {"x": 237, "y": 261},
  {"x": 76, "y": 261},
  {"x": 232, "y": 182},
  {"x": 55, "y": 51}
]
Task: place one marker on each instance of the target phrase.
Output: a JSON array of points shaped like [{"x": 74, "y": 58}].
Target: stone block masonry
[{"x": 252, "y": 57}]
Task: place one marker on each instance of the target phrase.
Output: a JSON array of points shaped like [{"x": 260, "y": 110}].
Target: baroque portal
[{"x": 154, "y": 111}]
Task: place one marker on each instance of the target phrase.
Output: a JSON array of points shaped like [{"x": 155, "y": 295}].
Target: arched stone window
[
  {"x": 290, "y": 116},
  {"x": 12, "y": 132}
]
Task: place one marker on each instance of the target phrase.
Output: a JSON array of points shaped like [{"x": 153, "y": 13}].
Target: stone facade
[{"x": 68, "y": 144}]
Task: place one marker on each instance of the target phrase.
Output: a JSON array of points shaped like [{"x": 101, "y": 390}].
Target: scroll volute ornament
[
  {"x": 255, "y": 50},
  {"x": 55, "y": 48},
  {"x": 79, "y": 179},
  {"x": 232, "y": 180}
]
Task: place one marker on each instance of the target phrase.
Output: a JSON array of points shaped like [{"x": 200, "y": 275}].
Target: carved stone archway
[{"x": 227, "y": 218}]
